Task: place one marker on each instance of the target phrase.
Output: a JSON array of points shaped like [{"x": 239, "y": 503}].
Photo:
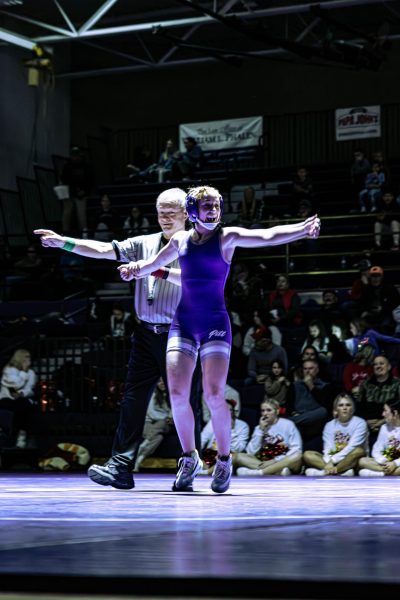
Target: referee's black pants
[{"x": 147, "y": 363}]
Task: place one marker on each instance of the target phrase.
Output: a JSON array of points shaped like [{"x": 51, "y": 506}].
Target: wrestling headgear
[{"x": 192, "y": 209}]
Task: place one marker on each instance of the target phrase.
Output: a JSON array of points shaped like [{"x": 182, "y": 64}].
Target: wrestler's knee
[{"x": 214, "y": 397}]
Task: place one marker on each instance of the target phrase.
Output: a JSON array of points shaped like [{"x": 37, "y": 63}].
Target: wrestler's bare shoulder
[{"x": 178, "y": 237}]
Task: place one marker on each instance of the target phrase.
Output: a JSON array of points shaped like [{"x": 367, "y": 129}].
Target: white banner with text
[{"x": 226, "y": 134}]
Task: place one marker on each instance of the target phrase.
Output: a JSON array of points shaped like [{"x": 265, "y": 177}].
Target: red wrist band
[{"x": 162, "y": 273}]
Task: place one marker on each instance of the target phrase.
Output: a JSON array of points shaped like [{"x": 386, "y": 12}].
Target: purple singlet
[{"x": 201, "y": 320}]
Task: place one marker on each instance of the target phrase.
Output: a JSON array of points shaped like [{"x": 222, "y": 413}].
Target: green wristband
[{"x": 69, "y": 246}]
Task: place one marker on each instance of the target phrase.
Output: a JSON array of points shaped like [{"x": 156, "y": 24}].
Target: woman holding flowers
[
  {"x": 275, "y": 448},
  {"x": 345, "y": 441},
  {"x": 385, "y": 455}
]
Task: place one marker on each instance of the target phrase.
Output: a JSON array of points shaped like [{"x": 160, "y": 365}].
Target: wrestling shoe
[
  {"x": 222, "y": 474},
  {"x": 110, "y": 473},
  {"x": 189, "y": 466}
]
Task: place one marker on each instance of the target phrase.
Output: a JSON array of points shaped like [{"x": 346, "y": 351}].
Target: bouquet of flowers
[
  {"x": 392, "y": 450},
  {"x": 272, "y": 448}
]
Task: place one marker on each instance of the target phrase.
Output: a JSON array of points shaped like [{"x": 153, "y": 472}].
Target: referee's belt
[{"x": 163, "y": 328}]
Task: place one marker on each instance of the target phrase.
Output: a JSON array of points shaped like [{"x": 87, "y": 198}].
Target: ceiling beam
[
  {"x": 200, "y": 20},
  {"x": 96, "y": 16},
  {"x": 65, "y": 16},
  {"x": 16, "y": 40},
  {"x": 65, "y": 33}
]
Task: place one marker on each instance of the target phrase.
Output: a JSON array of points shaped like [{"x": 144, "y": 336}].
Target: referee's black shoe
[{"x": 118, "y": 476}]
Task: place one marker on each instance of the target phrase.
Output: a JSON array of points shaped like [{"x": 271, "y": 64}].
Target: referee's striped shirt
[{"x": 155, "y": 299}]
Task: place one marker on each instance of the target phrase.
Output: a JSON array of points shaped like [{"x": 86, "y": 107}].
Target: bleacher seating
[{"x": 343, "y": 235}]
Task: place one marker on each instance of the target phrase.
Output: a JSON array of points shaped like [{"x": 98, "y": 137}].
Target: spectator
[
  {"x": 104, "y": 225},
  {"x": 372, "y": 191},
  {"x": 319, "y": 339},
  {"x": 261, "y": 358},
  {"x": 358, "y": 370},
  {"x": 136, "y": 223},
  {"x": 276, "y": 385},
  {"x": 275, "y": 448},
  {"x": 249, "y": 209},
  {"x": 380, "y": 389},
  {"x": 377, "y": 301},
  {"x": 191, "y": 160},
  {"x": 72, "y": 270},
  {"x": 17, "y": 393},
  {"x": 309, "y": 402},
  {"x": 254, "y": 332},
  {"x": 302, "y": 188},
  {"x": 377, "y": 157},
  {"x": 142, "y": 160},
  {"x": 349, "y": 306},
  {"x": 309, "y": 353},
  {"x": 120, "y": 322},
  {"x": 330, "y": 312},
  {"x": 284, "y": 304},
  {"x": 396, "y": 318},
  {"x": 362, "y": 281},
  {"x": 240, "y": 433},
  {"x": 385, "y": 454},
  {"x": 29, "y": 266},
  {"x": 359, "y": 169},
  {"x": 329, "y": 348},
  {"x": 231, "y": 395},
  {"x": 245, "y": 290},
  {"x": 157, "y": 425},
  {"x": 363, "y": 335},
  {"x": 387, "y": 221},
  {"x": 239, "y": 282},
  {"x": 77, "y": 174},
  {"x": 163, "y": 169},
  {"x": 345, "y": 441}
]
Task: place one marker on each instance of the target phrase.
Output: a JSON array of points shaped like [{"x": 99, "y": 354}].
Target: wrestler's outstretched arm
[
  {"x": 273, "y": 236},
  {"x": 142, "y": 268},
  {"x": 94, "y": 249}
]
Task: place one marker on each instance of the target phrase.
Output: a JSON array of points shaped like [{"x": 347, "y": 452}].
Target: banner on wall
[
  {"x": 218, "y": 135},
  {"x": 358, "y": 122}
]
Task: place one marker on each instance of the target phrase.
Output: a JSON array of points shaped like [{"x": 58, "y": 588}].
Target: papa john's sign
[{"x": 358, "y": 122}]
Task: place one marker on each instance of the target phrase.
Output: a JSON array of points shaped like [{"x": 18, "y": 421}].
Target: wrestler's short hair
[
  {"x": 198, "y": 193},
  {"x": 173, "y": 196}
]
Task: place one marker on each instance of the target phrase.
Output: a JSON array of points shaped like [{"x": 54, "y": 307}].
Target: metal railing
[{"x": 80, "y": 374}]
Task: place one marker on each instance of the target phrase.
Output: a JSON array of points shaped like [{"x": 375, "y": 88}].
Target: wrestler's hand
[
  {"x": 130, "y": 271},
  {"x": 312, "y": 226},
  {"x": 49, "y": 238}
]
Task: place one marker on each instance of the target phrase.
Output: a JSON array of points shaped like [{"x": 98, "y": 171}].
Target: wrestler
[{"x": 201, "y": 323}]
